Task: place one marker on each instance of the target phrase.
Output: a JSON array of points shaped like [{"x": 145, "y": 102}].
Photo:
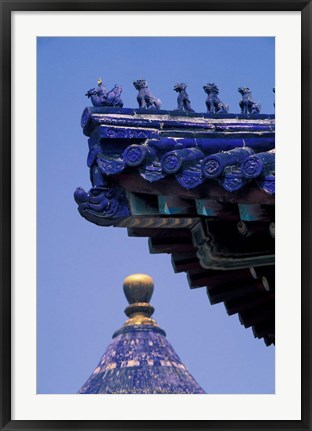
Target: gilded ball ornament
[{"x": 138, "y": 288}]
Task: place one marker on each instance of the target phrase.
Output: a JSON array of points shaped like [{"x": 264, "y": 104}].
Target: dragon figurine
[{"x": 102, "y": 205}]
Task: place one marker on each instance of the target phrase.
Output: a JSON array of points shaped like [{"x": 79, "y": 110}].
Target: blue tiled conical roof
[{"x": 140, "y": 360}]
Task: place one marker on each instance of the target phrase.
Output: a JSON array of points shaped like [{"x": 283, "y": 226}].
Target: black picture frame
[{"x": 7, "y": 7}]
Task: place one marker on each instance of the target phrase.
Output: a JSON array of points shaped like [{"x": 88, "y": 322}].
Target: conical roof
[{"x": 140, "y": 360}]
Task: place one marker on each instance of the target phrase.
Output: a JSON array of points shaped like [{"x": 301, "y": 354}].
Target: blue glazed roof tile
[
  {"x": 140, "y": 360},
  {"x": 159, "y": 144}
]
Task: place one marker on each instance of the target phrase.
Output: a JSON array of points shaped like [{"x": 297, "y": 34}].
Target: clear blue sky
[{"x": 81, "y": 266}]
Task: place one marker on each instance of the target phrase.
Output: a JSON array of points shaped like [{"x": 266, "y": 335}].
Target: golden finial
[
  {"x": 138, "y": 289},
  {"x": 99, "y": 81}
]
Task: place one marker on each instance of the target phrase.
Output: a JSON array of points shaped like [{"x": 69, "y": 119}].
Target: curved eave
[{"x": 199, "y": 186}]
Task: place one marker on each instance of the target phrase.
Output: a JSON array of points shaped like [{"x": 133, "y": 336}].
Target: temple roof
[
  {"x": 200, "y": 186},
  {"x": 140, "y": 360}
]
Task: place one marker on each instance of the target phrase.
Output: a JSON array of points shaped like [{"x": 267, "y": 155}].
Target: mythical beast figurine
[
  {"x": 145, "y": 98},
  {"x": 213, "y": 103},
  {"x": 102, "y": 205},
  {"x": 100, "y": 97},
  {"x": 247, "y": 105},
  {"x": 184, "y": 103}
]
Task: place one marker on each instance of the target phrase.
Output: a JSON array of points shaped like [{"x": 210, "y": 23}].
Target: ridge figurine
[
  {"x": 184, "y": 103},
  {"x": 247, "y": 105},
  {"x": 145, "y": 98},
  {"x": 213, "y": 102},
  {"x": 100, "y": 97}
]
